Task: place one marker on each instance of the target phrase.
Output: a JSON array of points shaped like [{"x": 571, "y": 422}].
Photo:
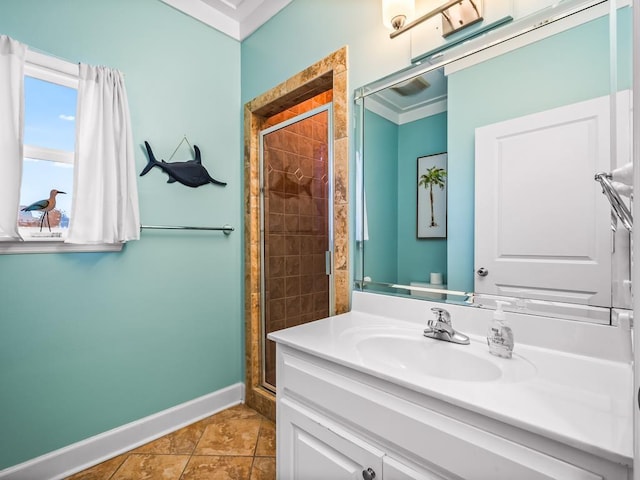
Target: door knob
[
  {"x": 482, "y": 272},
  {"x": 368, "y": 474}
]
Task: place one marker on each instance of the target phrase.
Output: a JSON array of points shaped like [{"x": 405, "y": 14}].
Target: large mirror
[{"x": 476, "y": 174}]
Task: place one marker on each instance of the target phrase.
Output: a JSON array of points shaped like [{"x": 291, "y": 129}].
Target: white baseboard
[{"x": 84, "y": 454}]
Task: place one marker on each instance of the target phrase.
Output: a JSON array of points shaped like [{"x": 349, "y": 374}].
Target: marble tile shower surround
[
  {"x": 296, "y": 222},
  {"x": 328, "y": 75},
  {"x": 237, "y": 443}
]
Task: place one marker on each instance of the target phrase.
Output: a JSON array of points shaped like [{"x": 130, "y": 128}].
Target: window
[
  {"x": 49, "y": 139},
  {"x": 50, "y": 98}
]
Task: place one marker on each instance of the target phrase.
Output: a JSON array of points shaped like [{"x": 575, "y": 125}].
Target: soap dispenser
[{"x": 500, "y": 335}]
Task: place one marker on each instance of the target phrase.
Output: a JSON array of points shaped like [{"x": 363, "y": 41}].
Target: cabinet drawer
[{"x": 456, "y": 447}]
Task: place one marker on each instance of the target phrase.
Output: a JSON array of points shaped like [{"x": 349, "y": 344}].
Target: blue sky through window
[{"x": 49, "y": 113}]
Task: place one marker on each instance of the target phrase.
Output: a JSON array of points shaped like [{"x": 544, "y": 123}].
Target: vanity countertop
[{"x": 579, "y": 400}]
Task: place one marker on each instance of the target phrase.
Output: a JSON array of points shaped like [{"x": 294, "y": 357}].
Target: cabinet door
[
  {"x": 311, "y": 447},
  {"x": 395, "y": 470}
]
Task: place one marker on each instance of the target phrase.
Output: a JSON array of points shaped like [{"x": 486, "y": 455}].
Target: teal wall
[
  {"x": 418, "y": 257},
  {"x": 381, "y": 188},
  {"x": 89, "y": 342},
  {"x": 483, "y": 94},
  {"x": 393, "y": 253},
  {"x": 305, "y": 32},
  {"x": 116, "y": 337}
]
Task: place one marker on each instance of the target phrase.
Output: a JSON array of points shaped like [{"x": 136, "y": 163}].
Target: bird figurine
[{"x": 44, "y": 206}]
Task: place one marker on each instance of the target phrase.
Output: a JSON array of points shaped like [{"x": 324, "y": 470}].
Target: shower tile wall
[{"x": 296, "y": 178}]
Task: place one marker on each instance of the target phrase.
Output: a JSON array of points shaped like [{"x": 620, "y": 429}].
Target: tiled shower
[{"x": 296, "y": 222}]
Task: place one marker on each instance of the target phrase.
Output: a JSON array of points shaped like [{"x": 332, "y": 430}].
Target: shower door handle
[{"x": 328, "y": 262}]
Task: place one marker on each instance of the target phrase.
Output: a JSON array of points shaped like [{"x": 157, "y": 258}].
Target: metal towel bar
[
  {"x": 617, "y": 205},
  {"x": 227, "y": 229}
]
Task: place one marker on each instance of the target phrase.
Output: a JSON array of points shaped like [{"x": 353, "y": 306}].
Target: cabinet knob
[
  {"x": 482, "y": 272},
  {"x": 368, "y": 474}
]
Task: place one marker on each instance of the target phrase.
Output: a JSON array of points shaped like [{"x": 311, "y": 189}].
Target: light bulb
[{"x": 396, "y": 13}]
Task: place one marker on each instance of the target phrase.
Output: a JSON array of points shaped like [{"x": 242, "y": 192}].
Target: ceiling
[
  {"x": 236, "y": 18},
  {"x": 400, "y": 109}
]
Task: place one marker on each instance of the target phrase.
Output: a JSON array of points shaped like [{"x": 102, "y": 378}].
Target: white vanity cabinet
[
  {"x": 325, "y": 450},
  {"x": 336, "y": 422}
]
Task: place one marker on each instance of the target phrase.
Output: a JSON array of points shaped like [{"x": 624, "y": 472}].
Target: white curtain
[
  {"x": 12, "y": 55},
  {"x": 105, "y": 193}
]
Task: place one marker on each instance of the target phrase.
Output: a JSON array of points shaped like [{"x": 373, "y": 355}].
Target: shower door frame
[
  {"x": 328, "y": 107},
  {"x": 330, "y": 73}
]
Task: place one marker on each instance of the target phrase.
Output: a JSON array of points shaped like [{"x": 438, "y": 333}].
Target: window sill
[{"x": 54, "y": 246}]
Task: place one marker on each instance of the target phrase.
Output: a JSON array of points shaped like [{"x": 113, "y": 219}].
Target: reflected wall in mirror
[
  {"x": 396, "y": 134},
  {"x": 526, "y": 125}
]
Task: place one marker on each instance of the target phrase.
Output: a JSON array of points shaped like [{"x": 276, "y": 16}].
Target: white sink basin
[{"x": 410, "y": 353}]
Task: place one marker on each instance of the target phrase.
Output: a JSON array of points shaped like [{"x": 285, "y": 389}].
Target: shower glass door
[{"x": 296, "y": 229}]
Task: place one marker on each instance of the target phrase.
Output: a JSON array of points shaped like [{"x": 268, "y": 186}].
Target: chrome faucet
[{"x": 441, "y": 328}]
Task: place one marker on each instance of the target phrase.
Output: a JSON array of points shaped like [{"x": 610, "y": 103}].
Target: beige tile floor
[{"x": 235, "y": 444}]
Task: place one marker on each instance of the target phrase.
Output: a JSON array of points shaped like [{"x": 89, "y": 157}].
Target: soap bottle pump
[{"x": 500, "y": 335}]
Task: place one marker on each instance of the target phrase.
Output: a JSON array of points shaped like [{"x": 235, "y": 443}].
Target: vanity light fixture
[
  {"x": 456, "y": 15},
  {"x": 396, "y": 12}
]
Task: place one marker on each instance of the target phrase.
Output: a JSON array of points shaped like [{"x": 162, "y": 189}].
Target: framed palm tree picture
[{"x": 432, "y": 196}]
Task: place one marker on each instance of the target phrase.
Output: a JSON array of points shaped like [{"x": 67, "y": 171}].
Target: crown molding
[{"x": 235, "y": 18}]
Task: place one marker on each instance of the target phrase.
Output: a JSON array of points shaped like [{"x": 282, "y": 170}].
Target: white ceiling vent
[{"x": 411, "y": 87}]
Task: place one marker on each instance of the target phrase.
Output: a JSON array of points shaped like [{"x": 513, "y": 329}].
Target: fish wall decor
[{"x": 190, "y": 173}]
